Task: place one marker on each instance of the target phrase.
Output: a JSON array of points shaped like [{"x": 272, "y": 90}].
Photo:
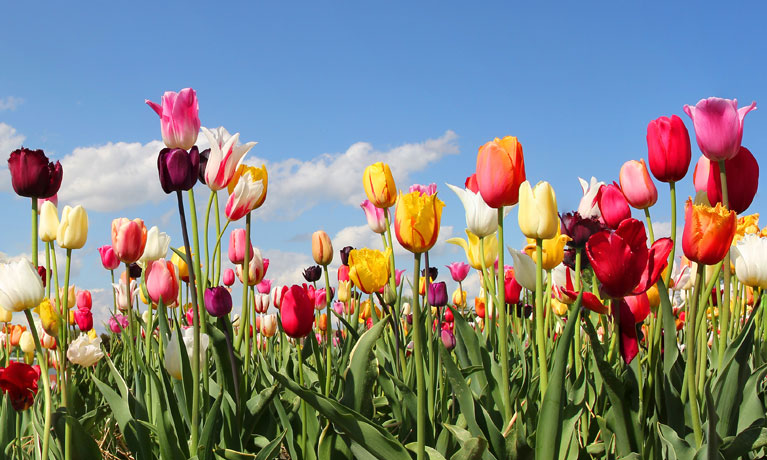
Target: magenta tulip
[
  {"x": 718, "y": 126},
  {"x": 118, "y": 322},
  {"x": 458, "y": 270},
  {"x": 637, "y": 186},
  {"x": 179, "y": 118},
  {"x": 218, "y": 301},
  {"x": 84, "y": 319},
  {"x": 668, "y": 148},
  {"x": 108, "y": 258},
  {"x": 612, "y": 205}
]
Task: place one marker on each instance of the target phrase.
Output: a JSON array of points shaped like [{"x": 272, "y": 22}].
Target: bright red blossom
[{"x": 19, "y": 381}]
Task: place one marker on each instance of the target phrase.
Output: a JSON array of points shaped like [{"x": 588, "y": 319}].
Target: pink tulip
[
  {"x": 118, "y": 322},
  {"x": 179, "y": 118},
  {"x": 84, "y": 319},
  {"x": 718, "y": 126},
  {"x": 458, "y": 270},
  {"x": 84, "y": 300},
  {"x": 108, "y": 258},
  {"x": 637, "y": 185},
  {"x": 228, "y": 277},
  {"x": 398, "y": 276},
  {"x": 162, "y": 282},
  {"x": 701, "y": 173},
  {"x": 612, "y": 205},
  {"x": 375, "y": 216},
  {"x": 190, "y": 316},
  {"x": 338, "y": 307},
  {"x": 265, "y": 286},
  {"x": 668, "y": 148},
  {"x": 237, "y": 246},
  {"x": 128, "y": 239},
  {"x": 430, "y": 189}
]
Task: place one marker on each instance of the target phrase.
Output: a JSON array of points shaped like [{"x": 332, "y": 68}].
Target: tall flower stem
[
  {"x": 114, "y": 296},
  {"x": 63, "y": 365},
  {"x": 504, "y": 328},
  {"x": 201, "y": 312},
  {"x": 245, "y": 283},
  {"x": 304, "y": 417},
  {"x": 418, "y": 358},
  {"x": 487, "y": 288},
  {"x": 539, "y": 335},
  {"x": 196, "y": 325},
  {"x": 672, "y": 191},
  {"x": 725, "y": 306},
  {"x": 328, "y": 332},
  {"x": 217, "y": 253},
  {"x": 393, "y": 282},
  {"x": 689, "y": 337},
  {"x": 649, "y": 225},
  {"x": 207, "y": 253}
]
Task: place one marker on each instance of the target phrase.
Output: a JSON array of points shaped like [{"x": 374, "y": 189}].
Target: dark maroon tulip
[
  {"x": 134, "y": 270},
  {"x": 742, "y": 181},
  {"x": 313, "y": 273},
  {"x": 668, "y": 148},
  {"x": 578, "y": 229},
  {"x": 569, "y": 259},
  {"x": 433, "y": 273},
  {"x": 41, "y": 272},
  {"x": 345, "y": 255},
  {"x": 32, "y": 175},
  {"x": 203, "y": 164},
  {"x": 218, "y": 301},
  {"x": 178, "y": 169},
  {"x": 438, "y": 294}
]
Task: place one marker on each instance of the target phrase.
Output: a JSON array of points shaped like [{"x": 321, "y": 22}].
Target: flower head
[
  {"x": 32, "y": 175},
  {"x": 179, "y": 118}
]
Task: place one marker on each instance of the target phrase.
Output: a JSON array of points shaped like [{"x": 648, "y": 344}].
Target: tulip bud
[
  {"x": 109, "y": 259},
  {"x": 32, "y": 175},
  {"x": 500, "y": 171},
  {"x": 49, "y": 222},
  {"x": 269, "y": 325},
  {"x": 322, "y": 248},
  {"x": 265, "y": 286},
  {"x": 73, "y": 228},
  {"x": 5, "y": 315},
  {"x": 218, "y": 301},
  {"x": 156, "y": 247},
  {"x": 228, "y": 277},
  {"x": 237, "y": 247},
  {"x": 297, "y": 311},
  {"x": 375, "y": 216},
  {"x": 27, "y": 342},
  {"x": 128, "y": 239},
  {"x": 379, "y": 185},
  {"x": 49, "y": 319},
  {"x": 390, "y": 295},
  {"x": 668, "y": 147},
  {"x": 448, "y": 339},
  {"x": 313, "y": 273},
  {"x": 179, "y": 118},
  {"x": 261, "y": 304},
  {"x": 343, "y": 273},
  {"x": 118, "y": 322},
  {"x": 438, "y": 294},
  {"x": 84, "y": 299},
  {"x": 84, "y": 319},
  {"x": 345, "y": 255},
  {"x": 613, "y": 205},
  {"x": 322, "y": 324},
  {"x": 162, "y": 283},
  {"x": 178, "y": 168},
  {"x": 538, "y": 217},
  {"x": 20, "y": 285},
  {"x": 637, "y": 186}
]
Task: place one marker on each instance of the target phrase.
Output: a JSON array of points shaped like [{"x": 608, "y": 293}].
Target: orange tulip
[
  {"x": 500, "y": 171},
  {"x": 16, "y": 331},
  {"x": 322, "y": 323},
  {"x": 708, "y": 232}
]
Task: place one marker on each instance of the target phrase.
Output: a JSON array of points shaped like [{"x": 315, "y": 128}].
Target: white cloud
[
  {"x": 10, "y": 140},
  {"x": 10, "y": 103},
  {"x": 286, "y": 268},
  {"x": 361, "y": 236}
]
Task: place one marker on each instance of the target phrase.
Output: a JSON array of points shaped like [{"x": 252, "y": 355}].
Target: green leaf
[
  {"x": 136, "y": 436},
  {"x": 748, "y": 440},
  {"x": 212, "y": 424},
  {"x": 431, "y": 453},
  {"x": 270, "y": 451},
  {"x": 83, "y": 445},
  {"x": 672, "y": 375},
  {"x": 472, "y": 449},
  {"x": 362, "y": 371},
  {"x": 332, "y": 445},
  {"x": 674, "y": 447}
]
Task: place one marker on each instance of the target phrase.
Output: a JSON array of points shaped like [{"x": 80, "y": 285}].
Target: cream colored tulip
[
  {"x": 73, "y": 228},
  {"x": 27, "y": 342},
  {"x": 269, "y": 325},
  {"x": 49, "y": 222},
  {"x": 21, "y": 287},
  {"x": 85, "y": 351},
  {"x": 5, "y": 315},
  {"x": 157, "y": 244},
  {"x": 538, "y": 210}
]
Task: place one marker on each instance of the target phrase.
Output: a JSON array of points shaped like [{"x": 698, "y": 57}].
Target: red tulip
[
  {"x": 19, "y": 381},
  {"x": 742, "y": 181},
  {"x": 297, "y": 311},
  {"x": 471, "y": 183},
  {"x": 512, "y": 288},
  {"x": 32, "y": 175},
  {"x": 84, "y": 299},
  {"x": 500, "y": 171},
  {"x": 84, "y": 319},
  {"x": 668, "y": 148},
  {"x": 613, "y": 205},
  {"x": 128, "y": 239}
]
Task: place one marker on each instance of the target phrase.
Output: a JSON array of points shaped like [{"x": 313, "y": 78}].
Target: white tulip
[
  {"x": 173, "y": 351},
  {"x": 157, "y": 244},
  {"x": 85, "y": 351},
  {"x": 749, "y": 256},
  {"x": 21, "y": 287}
]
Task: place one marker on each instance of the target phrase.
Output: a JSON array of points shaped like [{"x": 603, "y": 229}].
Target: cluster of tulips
[{"x": 593, "y": 343}]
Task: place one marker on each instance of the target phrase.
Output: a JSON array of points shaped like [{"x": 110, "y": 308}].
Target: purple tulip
[
  {"x": 438, "y": 294},
  {"x": 178, "y": 169},
  {"x": 345, "y": 255},
  {"x": 32, "y": 175},
  {"x": 218, "y": 301},
  {"x": 578, "y": 228},
  {"x": 448, "y": 339},
  {"x": 313, "y": 273}
]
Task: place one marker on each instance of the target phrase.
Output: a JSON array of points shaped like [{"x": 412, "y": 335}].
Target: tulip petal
[{"x": 657, "y": 261}]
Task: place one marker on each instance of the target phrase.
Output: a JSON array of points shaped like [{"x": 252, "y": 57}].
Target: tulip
[
  {"x": 224, "y": 157},
  {"x": 588, "y": 206},
  {"x": 297, "y": 311},
  {"x": 379, "y": 185},
  {"x": 49, "y": 222},
  {"x": 261, "y": 302},
  {"x": 47, "y": 341},
  {"x": 84, "y": 351},
  {"x": 32, "y": 175},
  {"x": 512, "y": 288},
  {"x": 369, "y": 269},
  {"x": 84, "y": 299},
  {"x": 237, "y": 247},
  {"x": 73, "y": 228},
  {"x": 54, "y": 199},
  {"x": 553, "y": 249},
  {"x": 538, "y": 210},
  {"x": 479, "y": 306},
  {"x": 71, "y": 295},
  {"x": 430, "y": 189},
  {"x": 471, "y": 247},
  {"x": 320, "y": 298},
  {"x": 375, "y": 216},
  {"x": 108, "y": 258},
  {"x": 84, "y": 319},
  {"x": 257, "y": 267},
  {"x": 156, "y": 247},
  {"x": 117, "y": 323},
  {"x": 19, "y": 381},
  {"x": 668, "y": 148},
  {"x": 121, "y": 294},
  {"x": 344, "y": 290},
  {"x": 162, "y": 282},
  {"x": 500, "y": 171},
  {"x": 742, "y": 181},
  {"x": 27, "y": 342},
  {"x": 179, "y": 118},
  {"x": 458, "y": 271},
  {"x": 228, "y": 277},
  {"x": 322, "y": 248},
  {"x": 718, "y": 126},
  {"x": 417, "y": 220},
  {"x": 322, "y": 324},
  {"x": 277, "y": 294},
  {"x": 578, "y": 228},
  {"x": 20, "y": 286},
  {"x": 344, "y": 254},
  {"x": 708, "y": 232},
  {"x": 524, "y": 269},
  {"x": 448, "y": 339},
  {"x": 178, "y": 169},
  {"x": 481, "y": 219},
  {"x": 5, "y": 315},
  {"x": 636, "y": 184},
  {"x": 622, "y": 262},
  {"x": 218, "y": 301},
  {"x": 248, "y": 192},
  {"x": 128, "y": 239},
  {"x": 749, "y": 256},
  {"x": 459, "y": 298},
  {"x": 16, "y": 331},
  {"x": 471, "y": 183},
  {"x": 180, "y": 263},
  {"x": 613, "y": 205},
  {"x": 437, "y": 294},
  {"x": 173, "y": 351},
  {"x": 269, "y": 325}
]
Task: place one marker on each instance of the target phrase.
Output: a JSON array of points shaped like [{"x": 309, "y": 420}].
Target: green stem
[
  {"x": 649, "y": 225},
  {"x": 201, "y": 312},
  {"x": 725, "y": 306},
  {"x": 672, "y": 190},
  {"x": 328, "y": 332},
  {"x": 207, "y": 254},
  {"x": 217, "y": 250},
  {"x": 63, "y": 365},
  {"x": 114, "y": 295},
  {"x": 690, "y": 320},
  {"x": 304, "y": 417},
  {"x": 418, "y": 358},
  {"x": 503, "y": 318},
  {"x": 45, "y": 377},
  {"x": 539, "y": 319}
]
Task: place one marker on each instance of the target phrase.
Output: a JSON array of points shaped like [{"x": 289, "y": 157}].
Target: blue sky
[{"x": 330, "y": 82}]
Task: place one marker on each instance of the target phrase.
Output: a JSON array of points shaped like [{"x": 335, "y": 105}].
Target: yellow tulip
[
  {"x": 92, "y": 334},
  {"x": 369, "y": 269},
  {"x": 459, "y": 298},
  {"x": 365, "y": 311},
  {"x": 73, "y": 228},
  {"x": 344, "y": 290},
  {"x": 746, "y": 225},
  {"x": 553, "y": 250},
  {"x": 416, "y": 220},
  {"x": 49, "y": 222},
  {"x": 5, "y": 315},
  {"x": 538, "y": 210},
  {"x": 471, "y": 248},
  {"x": 183, "y": 269},
  {"x": 379, "y": 185},
  {"x": 48, "y": 317},
  {"x": 560, "y": 308},
  {"x": 71, "y": 296},
  {"x": 256, "y": 174}
]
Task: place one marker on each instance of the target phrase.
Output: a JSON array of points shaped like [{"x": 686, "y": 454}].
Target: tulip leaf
[
  {"x": 674, "y": 447},
  {"x": 270, "y": 450},
  {"x": 210, "y": 428},
  {"x": 285, "y": 422},
  {"x": 82, "y": 444},
  {"x": 357, "y": 427},
  {"x": 471, "y": 449},
  {"x": 672, "y": 375},
  {"x": 169, "y": 440},
  {"x": 748, "y": 440},
  {"x": 7, "y": 421},
  {"x": 331, "y": 445},
  {"x": 431, "y": 453},
  {"x": 362, "y": 371}
]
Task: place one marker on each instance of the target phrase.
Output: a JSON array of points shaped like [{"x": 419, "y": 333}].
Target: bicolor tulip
[
  {"x": 179, "y": 118},
  {"x": 500, "y": 171},
  {"x": 247, "y": 191},
  {"x": 49, "y": 222},
  {"x": 85, "y": 351},
  {"x": 369, "y": 269},
  {"x": 297, "y": 312},
  {"x": 742, "y": 181},
  {"x": 128, "y": 239},
  {"x": 261, "y": 302},
  {"x": 20, "y": 285},
  {"x": 322, "y": 248},
  {"x": 224, "y": 157},
  {"x": 718, "y": 126},
  {"x": 257, "y": 267},
  {"x": 708, "y": 232},
  {"x": 613, "y": 205},
  {"x": 237, "y": 246},
  {"x": 156, "y": 247},
  {"x": 636, "y": 184},
  {"x": 578, "y": 228},
  {"x": 538, "y": 217},
  {"x": 471, "y": 247},
  {"x": 178, "y": 169},
  {"x": 481, "y": 219},
  {"x": 121, "y": 294},
  {"x": 162, "y": 282},
  {"x": 173, "y": 351},
  {"x": 623, "y": 263},
  {"x": 73, "y": 228},
  {"x": 375, "y": 216},
  {"x": 588, "y": 206},
  {"x": 417, "y": 220},
  {"x": 668, "y": 148},
  {"x": 32, "y": 175},
  {"x": 108, "y": 258},
  {"x": 379, "y": 185},
  {"x": 228, "y": 277},
  {"x": 458, "y": 271},
  {"x": 84, "y": 319},
  {"x": 430, "y": 189},
  {"x": 269, "y": 325},
  {"x": 47, "y": 341},
  {"x": 553, "y": 249},
  {"x": 19, "y": 381},
  {"x": 218, "y": 301}
]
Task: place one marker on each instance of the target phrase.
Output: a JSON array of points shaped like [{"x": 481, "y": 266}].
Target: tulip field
[{"x": 595, "y": 340}]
